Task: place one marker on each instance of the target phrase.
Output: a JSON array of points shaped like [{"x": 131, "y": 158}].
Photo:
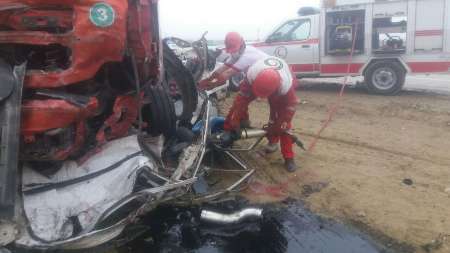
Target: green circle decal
[
  {"x": 102, "y": 15},
  {"x": 274, "y": 63}
]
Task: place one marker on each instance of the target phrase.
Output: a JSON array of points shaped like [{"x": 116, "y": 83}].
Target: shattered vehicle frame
[
  {"x": 63, "y": 93},
  {"x": 65, "y": 215},
  {"x": 195, "y": 56},
  {"x": 86, "y": 113}
]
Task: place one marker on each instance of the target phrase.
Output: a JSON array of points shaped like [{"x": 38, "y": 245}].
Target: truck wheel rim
[{"x": 384, "y": 78}]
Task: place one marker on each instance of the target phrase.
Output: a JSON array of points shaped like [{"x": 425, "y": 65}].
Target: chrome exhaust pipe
[
  {"x": 253, "y": 133},
  {"x": 237, "y": 217}
]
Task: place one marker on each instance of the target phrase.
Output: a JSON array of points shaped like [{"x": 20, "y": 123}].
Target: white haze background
[{"x": 188, "y": 19}]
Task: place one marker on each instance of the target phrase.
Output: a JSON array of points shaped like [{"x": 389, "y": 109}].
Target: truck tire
[
  {"x": 180, "y": 84},
  {"x": 159, "y": 114},
  {"x": 385, "y": 78}
]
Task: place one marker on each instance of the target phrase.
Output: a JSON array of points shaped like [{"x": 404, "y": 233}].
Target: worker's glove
[
  {"x": 283, "y": 121},
  {"x": 276, "y": 128},
  {"x": 270, "y": 128},
  {"x": 204, "y": 84},
  {"x": 281, "y": 127},
  {"x": 226, "y": 138},
  {"x": 213, "y": 81}
]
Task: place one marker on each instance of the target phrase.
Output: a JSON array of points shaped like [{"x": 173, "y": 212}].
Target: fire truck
[{"x": 379, "y": 40}]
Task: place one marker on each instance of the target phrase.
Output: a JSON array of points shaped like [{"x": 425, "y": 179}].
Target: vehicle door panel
[{"x": 293, "y": 42}]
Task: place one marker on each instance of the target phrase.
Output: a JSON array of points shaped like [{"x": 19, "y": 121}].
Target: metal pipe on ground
[{"x": 237, "y": 217}]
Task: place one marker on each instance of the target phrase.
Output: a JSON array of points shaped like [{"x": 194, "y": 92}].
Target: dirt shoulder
[{"x": 383, "y": 164}]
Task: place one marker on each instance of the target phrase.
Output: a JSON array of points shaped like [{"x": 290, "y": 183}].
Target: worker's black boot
[{"x": 290, "y": 165}]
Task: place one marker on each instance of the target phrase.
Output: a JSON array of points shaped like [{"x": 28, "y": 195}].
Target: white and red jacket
[
  {"x": 282, "y": 103},
  {"x": 271, "y": 62},
  {"x": 249, "y": 57}
]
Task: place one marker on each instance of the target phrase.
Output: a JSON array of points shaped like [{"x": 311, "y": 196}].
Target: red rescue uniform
[{"x": 282, "y": 103}]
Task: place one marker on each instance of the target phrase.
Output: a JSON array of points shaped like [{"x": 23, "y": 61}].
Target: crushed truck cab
[{"x": 87, "y": 95}]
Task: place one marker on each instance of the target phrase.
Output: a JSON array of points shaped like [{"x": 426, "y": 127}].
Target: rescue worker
[
  {"x": 241, "y": 58},
  {"x": 269, "y": 78}
]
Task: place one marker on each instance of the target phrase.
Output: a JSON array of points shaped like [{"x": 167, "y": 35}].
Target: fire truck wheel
[
  {"x": 180, "y": 84},
  {"x": 159, "y": 114},
  {"x": 385, "y": 78}
]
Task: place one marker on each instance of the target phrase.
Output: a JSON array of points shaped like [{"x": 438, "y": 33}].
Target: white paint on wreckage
[{"x": 49, "y": 211}]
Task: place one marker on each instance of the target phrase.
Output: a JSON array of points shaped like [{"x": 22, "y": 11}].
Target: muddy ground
[{"x": 383, "y": 164}]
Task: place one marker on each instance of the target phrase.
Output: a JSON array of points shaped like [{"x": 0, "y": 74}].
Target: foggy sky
[{"x": 188, "y": 19}]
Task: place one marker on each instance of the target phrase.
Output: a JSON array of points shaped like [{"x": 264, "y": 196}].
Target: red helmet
[
  {"x": 233, "y": 42},
  {"x": 266, "y": 83}
]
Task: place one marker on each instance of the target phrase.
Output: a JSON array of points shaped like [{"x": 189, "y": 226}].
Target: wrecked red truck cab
[
  {"x": 73, "y": 75},
  {"x": 73, "y": 49}
]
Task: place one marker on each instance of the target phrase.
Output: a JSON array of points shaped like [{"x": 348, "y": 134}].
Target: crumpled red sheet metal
[
  {"x": 42, "y": 115},
  {"x": 125, "y": 113},
  {"x": 94, "y": 33},
  {"x": 39, "y": 116},
  {"x": 92, "y": 44}
]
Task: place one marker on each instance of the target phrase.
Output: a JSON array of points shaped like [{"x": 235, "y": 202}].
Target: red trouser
[
  {"x": 280, "y": 110},
  {"x": 239, "y": 110},
  {"x": 286, "y": 143}
]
